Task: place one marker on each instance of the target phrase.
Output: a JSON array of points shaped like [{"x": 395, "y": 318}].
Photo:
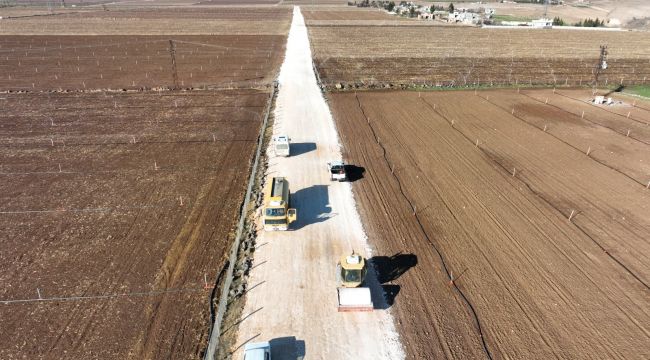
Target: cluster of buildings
[{"x": 459, "y": 15}]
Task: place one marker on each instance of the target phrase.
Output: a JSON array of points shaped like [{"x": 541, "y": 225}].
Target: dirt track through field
[
  {"x": 293, "y": 297},
  {"x": 541, "y": 287}
]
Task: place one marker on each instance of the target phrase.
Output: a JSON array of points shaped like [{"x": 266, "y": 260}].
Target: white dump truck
[
  {"x": 337, "y": 170},
  {"x": 282, "y": 145}
]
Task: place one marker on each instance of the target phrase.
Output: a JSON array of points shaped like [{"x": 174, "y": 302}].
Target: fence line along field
[
  {"x": 124, "y": 200},
  {"x": 522, "y": 239},
  {"x": 154, "y": 21},
  {"x": 361, "y": 56},
  {"x": 59, "y": 63}
]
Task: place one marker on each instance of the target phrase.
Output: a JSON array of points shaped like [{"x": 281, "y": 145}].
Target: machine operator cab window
[
  {"x": 338, "y": 169},
  {"x": 351, "y": 276},
  {"x": 275, "y": 212}
]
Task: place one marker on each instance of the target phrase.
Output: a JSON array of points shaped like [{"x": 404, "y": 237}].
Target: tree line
[{"x": 557, "y": 21}]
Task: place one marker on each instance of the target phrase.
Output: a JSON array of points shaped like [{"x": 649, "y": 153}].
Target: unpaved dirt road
[{"x": 292, "y": 289}]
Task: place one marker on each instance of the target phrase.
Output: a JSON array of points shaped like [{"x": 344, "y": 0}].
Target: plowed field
[
  {"x": 482, "y": 196},
  {"x": 115, "y": 209},
  {"x": 59, "y": 63},
  {"x": 364, "y": 56},
  {"x": 144, "y": 18}
]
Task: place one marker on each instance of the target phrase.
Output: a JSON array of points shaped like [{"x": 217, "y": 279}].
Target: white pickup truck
[
  {"x": 257, "y": 351},
  {"x": 337, "y": 170},
  {"x": 281, "y": 145}
]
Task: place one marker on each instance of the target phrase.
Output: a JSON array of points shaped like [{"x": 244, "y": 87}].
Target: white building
[
  {"x": 464, "y": 17},
  {"x": 542, "y": 23}
]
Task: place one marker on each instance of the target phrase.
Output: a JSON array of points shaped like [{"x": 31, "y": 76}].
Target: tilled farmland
[
  {"x": 527, "y": 246},
  {"x": 349, "y": 56},
  {"x": 63, "y": 63},
  {"x": 116, "y": 210}
]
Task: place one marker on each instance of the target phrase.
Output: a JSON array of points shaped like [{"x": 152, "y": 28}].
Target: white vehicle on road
[
  {"x": 337, "y": 170},
  {"x": 257, "y": 351},
  {"x": 281, "y": 145}
]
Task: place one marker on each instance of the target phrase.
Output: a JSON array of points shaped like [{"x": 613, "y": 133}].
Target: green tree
[
  {"x": 557, "y": 21},
  {"x": 412, "y": 11},
  {"x": 390, "y": 6},
  {"x": 451, "y": 7}
]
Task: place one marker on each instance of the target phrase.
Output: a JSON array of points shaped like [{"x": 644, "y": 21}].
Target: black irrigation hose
[
  {"x": 442, "y": 259},
  {"x": 540, "y": 196}
]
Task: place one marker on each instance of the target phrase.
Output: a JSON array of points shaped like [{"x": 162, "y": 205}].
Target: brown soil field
[
  {"x": 525, "y": 279},
  {"x": 118, "y": 205},
  {"x": 603, "y": 134},
  {"x": 358, "y": 56},
  {"x": 130, "y": 20},
  {"x": 194, "y": 13},
  {"x": 342, "y": 3},
  {"x": 238, "y": 2},
  {"x": 630, "y": 107},
  {"x": 59, "y": 63}
]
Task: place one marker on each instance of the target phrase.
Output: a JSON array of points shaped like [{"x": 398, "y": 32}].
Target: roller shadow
[
  {"x": 354, "y": 172},
  {"x": 387, "y": 269},
  {"x": 301, "y": 148},
  {"x": 287, "y": 348},
  {"x": 312, "y": 206}
]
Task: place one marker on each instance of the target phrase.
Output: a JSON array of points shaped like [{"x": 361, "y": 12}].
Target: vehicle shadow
[
  {"x": 312, "y": 205},
  {"x": 287, "y": 348},
  {"x": 388, "y": 269},
  {"x": 301, "y": 148},
  {"x": 354, "y": 172}
]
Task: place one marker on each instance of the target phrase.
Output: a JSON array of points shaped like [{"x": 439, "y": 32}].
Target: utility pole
[
  {"x": 602, "y": 63},
  {"x": 172, "y": 53}
]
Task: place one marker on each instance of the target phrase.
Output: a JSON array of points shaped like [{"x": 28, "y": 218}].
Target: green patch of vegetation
[
  {"x": 511, "y": 18},
  {"x": 641, "y": 90},
  {"x": 590, "y": 23}
]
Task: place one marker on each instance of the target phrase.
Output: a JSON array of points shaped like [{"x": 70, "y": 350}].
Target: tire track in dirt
[
  {"x": 442, "y": 259},
  {"x": 187, "y": 241},
  {"x": 539, "y": 195},
  {"x": 79, "y": 311}
]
